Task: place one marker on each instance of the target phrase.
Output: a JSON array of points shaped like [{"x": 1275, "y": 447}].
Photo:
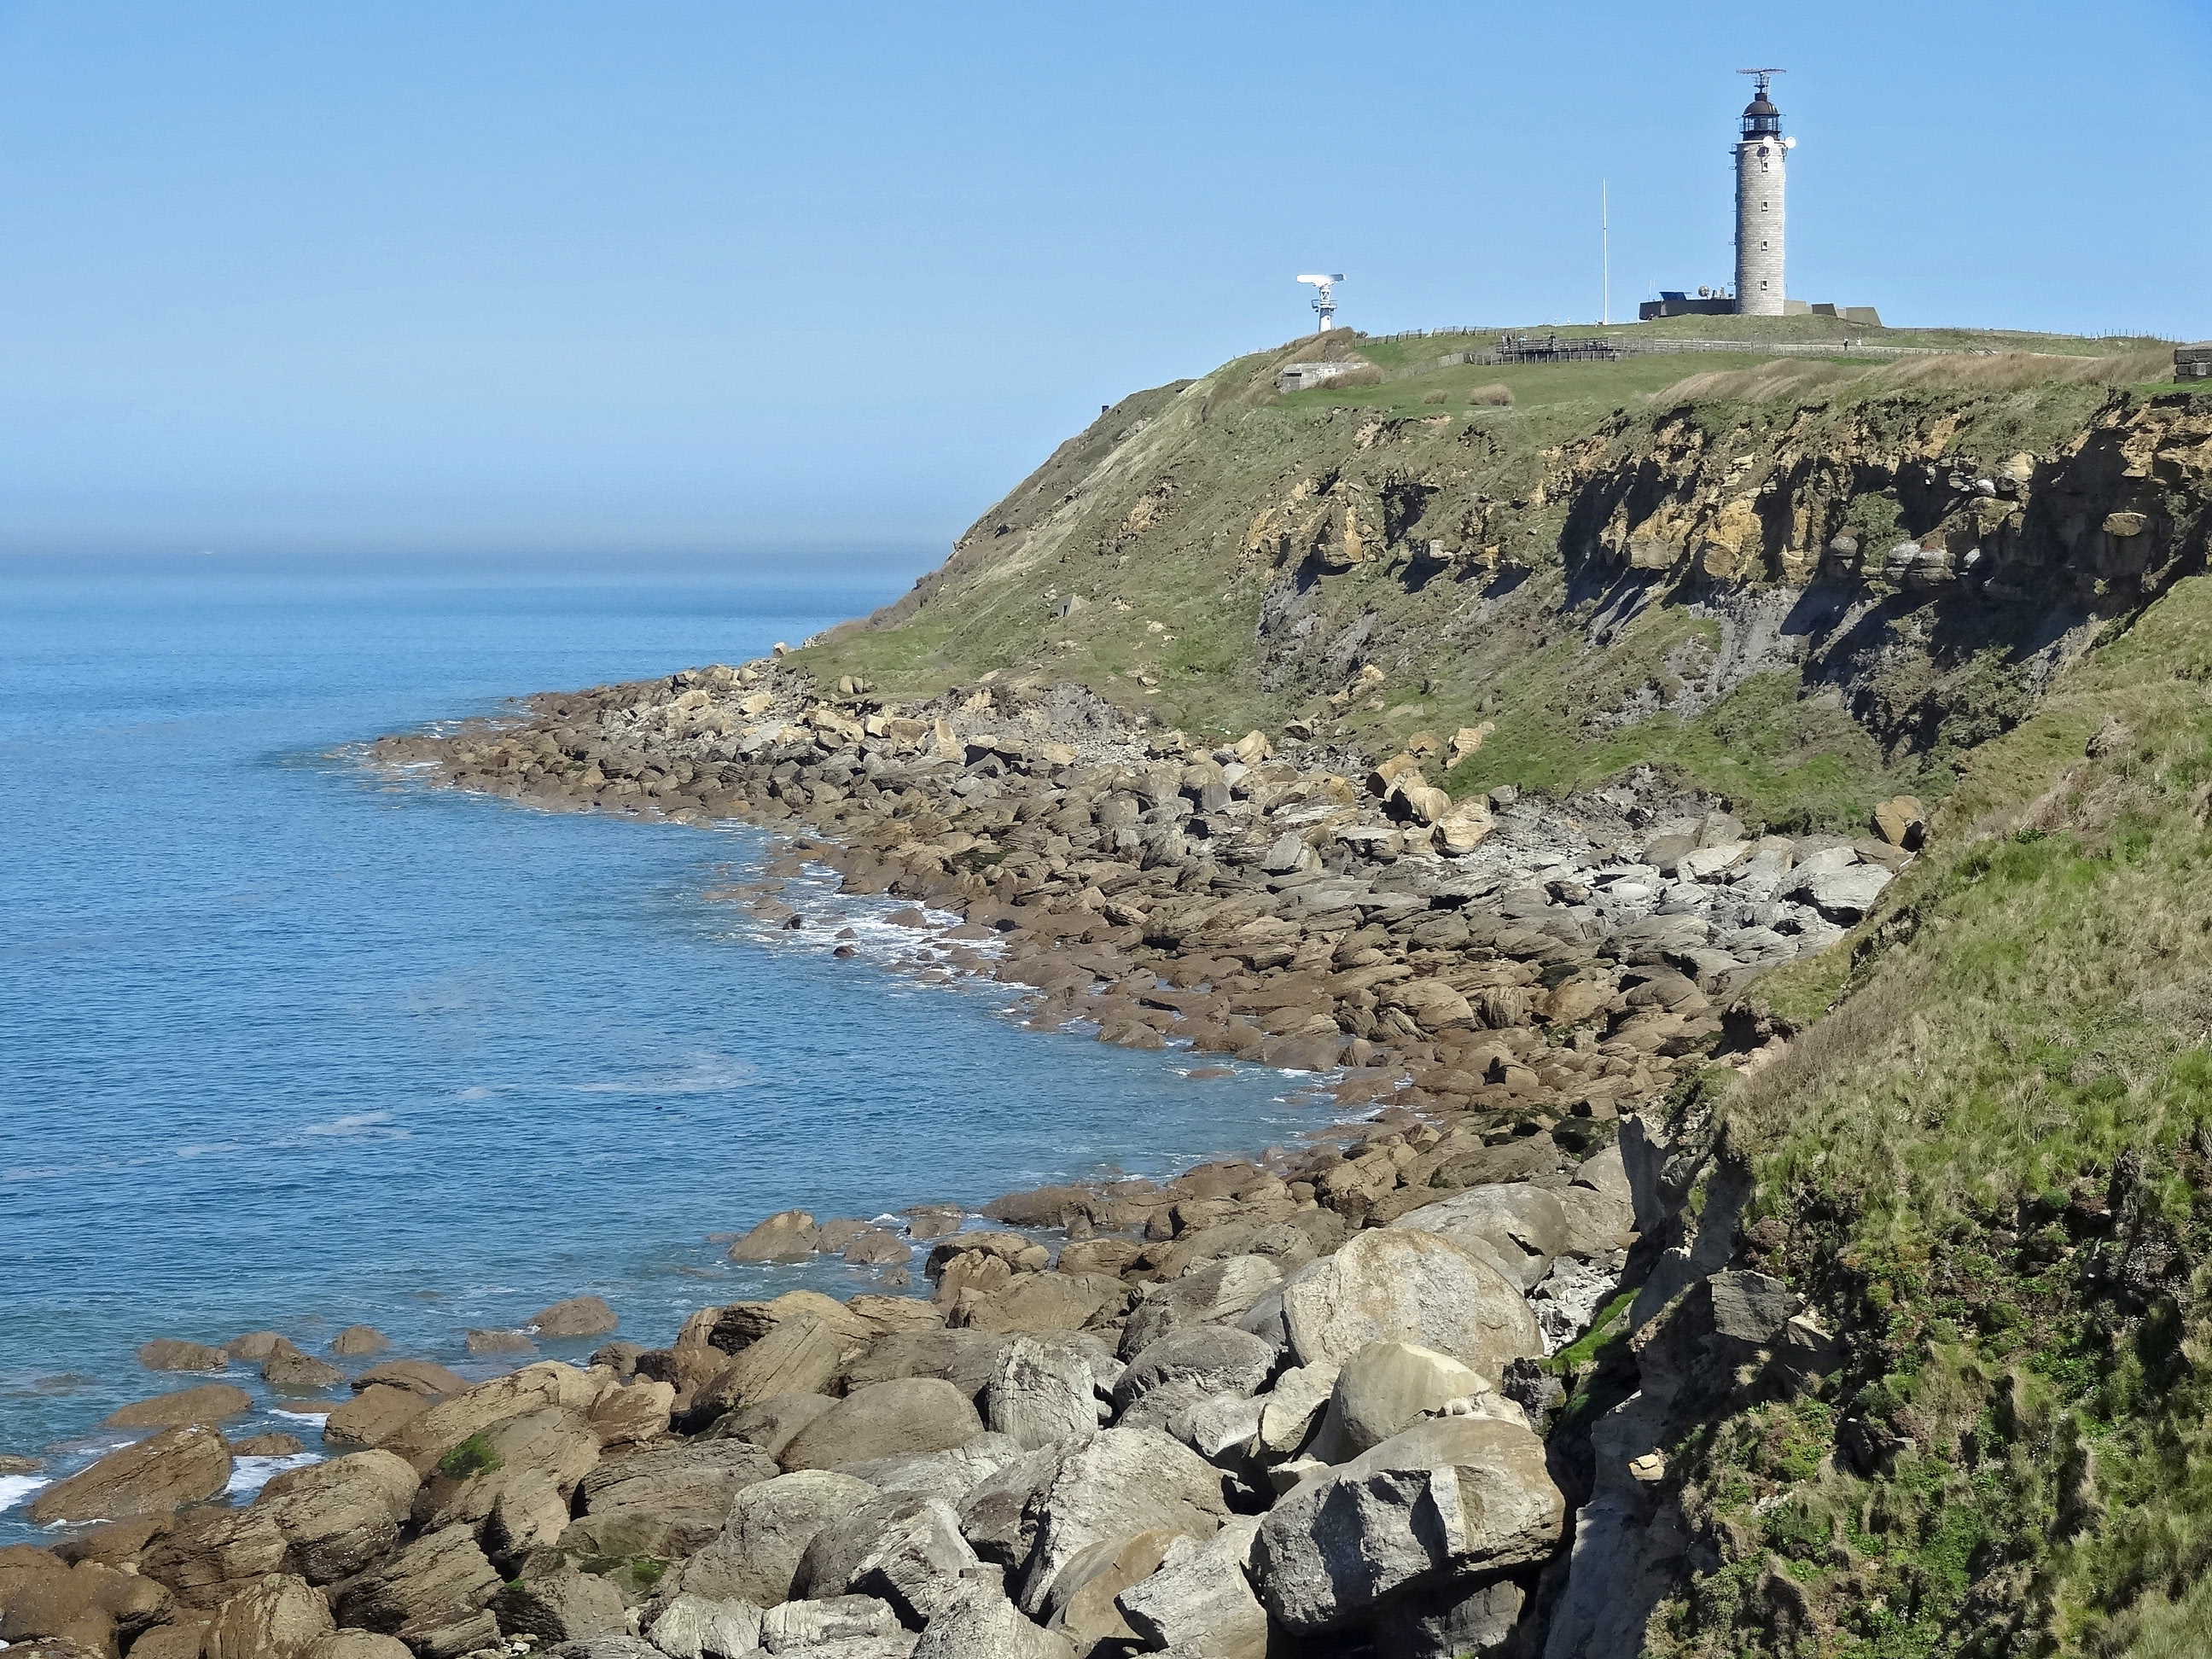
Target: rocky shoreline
[{"x": 1404, "y": 1390}]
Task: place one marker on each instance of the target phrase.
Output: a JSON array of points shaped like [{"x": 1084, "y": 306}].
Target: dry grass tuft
[
  {"x": 1800, "y": 378},
  {"x": 1496, "y": 392},
  {"x": 1779, "y": 378}
]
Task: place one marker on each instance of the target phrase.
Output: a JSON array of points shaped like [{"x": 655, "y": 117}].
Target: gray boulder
[
  {"x": 1514, "y": 1227},
  {"x": 1453, "y": 1499},
  {"x": 1389, "y": 1284},
  {"x": 1455, "y": 1623},
  {"x": 561, "y": 1604},
  {"x": 1040, "y": 1393},
  {"x": 769, "y": 1423},
  {"x": 1383, "y": 1389},
  {"x": 801, "y": 1627},
  {"x": 1186, "y": 1366},
  {"x": 948, "y": 1475},
  {"x": 997, "y": 1515},
  {"x": 665, "y": 1502},
  {"x": 755, "y": 1556},
  {"x": 1118, "y": 1483},
  {"x": 981, "y": 1623},
  {"x": 896, "y": 1419},
  {"x": 833, "y": 1556},
  {"x": 1201, "y": 1600},
  {"x": 692, "y": 1627},
  {"x": 917, "y": 1563},
  {"x": 1221, "y": 1291}
]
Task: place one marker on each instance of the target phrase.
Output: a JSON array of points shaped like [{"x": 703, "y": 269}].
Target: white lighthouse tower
[{"x": 1760, "y": 160}]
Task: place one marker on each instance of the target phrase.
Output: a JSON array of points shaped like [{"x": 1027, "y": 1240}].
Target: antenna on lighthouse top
[
  {"x": 1764, "y": 75},
  {"x": 1324, "y": 302}
]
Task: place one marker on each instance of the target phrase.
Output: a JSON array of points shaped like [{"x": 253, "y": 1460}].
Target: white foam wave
[
  {"x": 249, "y": 1475},
  {"x": 350, "y": 1126},
  {"x": 17, "y": 1488},
  {"x": 316, "y": 1417}
]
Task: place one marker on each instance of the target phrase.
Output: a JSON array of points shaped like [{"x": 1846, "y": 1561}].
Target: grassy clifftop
[{"x": 1629, "y": 562}]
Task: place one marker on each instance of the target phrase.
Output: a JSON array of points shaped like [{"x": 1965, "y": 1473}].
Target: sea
[{"x": 288, "y": 1043}]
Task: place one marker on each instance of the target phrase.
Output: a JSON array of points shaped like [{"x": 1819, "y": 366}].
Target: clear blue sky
[{"x": 516, "y": 275}]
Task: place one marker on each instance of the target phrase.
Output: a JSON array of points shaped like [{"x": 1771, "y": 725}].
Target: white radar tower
[{"x": 1324, "y": 302}]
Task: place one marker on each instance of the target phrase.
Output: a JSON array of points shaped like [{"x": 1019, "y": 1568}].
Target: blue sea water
[{"x": 285, "y": 1043}]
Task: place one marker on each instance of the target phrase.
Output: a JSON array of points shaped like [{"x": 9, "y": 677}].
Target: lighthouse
[{"x": 1761, "y": 162}]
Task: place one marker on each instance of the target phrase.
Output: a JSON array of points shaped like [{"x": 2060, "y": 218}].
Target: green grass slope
[{"x": 1990, "y": 1167}]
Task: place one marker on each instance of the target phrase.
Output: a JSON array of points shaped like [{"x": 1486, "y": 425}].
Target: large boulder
[
  {"x": 580, "y": 1315},
  {"x": 1045, "y": 1302},
  {"x": 90, "y": 1603},
  {"x": 421, "y": 1377},
  {"x": 351, "y": 1645},
  {"x": 886, "y": 1419},
  {"x": 692, "y": 1627},
  {"x": 667, "y": 1503},
  {"x": 799, "y": 1356},
  {"x": 980, "y": 1623},
  {"x": 769, "y": 1423},
  {"x": 1201, "y": 1601},
  {"x": 1041, "y": 1393},
  {"x": 167, "y": 1353},
  {"x": 1188, "y": 1365},
  {"x": 373, "y": 1418},
  {"x": 1117, "y": 1484},
  {"x": 560, "y": 1605},
  {"x": 787, "y": 1236},
  {"x": 1454, "y": 1499},
  {"x": 916, "y": 1563},
  {"x": 834, "y": 1555},
  {"x": 1216, "y": 1291},
  {"x": 288, "y": 1369},
  {"x": 552, "y": 1441},
  {"x": 338, "y": 1517},
  {"x": 1082, "y": 1605},
  {"x": 213, "y": 1553},
  {"x": 280, "y": 1618},
  {"x": 1514, "y": 1227},
  {"x": 425, "y": 1440},
  {"x": 434, "y": 1595},
  {"x": 794, "y": 1627},
  {"x": 755, "y": 1556},
  {"x": 156, "y": 1476},
  {"x": 965, "y": 1358},
  {"x": 999, "y": 1513},
  {"x": 359, "y": 1341},
  {"x": 212, "y": 1402},
  {"x": 1384, "y": 1389},
  {"x": 949, "y": 1474},
  {"x": 1389, "y": 1284},
  {"x": 633, "y": 1414},
  {"x": 1291, "y": 1410}
]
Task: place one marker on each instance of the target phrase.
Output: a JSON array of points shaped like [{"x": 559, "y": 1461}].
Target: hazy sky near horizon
[{"x": 692, "y": 277}]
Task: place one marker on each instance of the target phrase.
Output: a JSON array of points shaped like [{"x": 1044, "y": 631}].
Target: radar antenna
[{"x": 1324, "y": 302}]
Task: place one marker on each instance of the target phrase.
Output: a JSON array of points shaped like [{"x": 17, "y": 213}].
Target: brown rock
[
  {"x": 338, "y": 1517},
  {"x": 372, "y": 1417},
  {"x": 157, "y": 1476},
  {"x": 580, "y": 1315},
  {"x": 560, "y": 1606},
  {"x": 357, "y": 1341},
  {"x": 214, "y": 1402},
  {"x": 432, "y": 1595},
  {"x": 166, "y": 1353},
  {"x": 273, "y": 1444},
  {"x": 280, "y": 1618},
  {"x": 484, "y": 1343},
  {"x": 185, "y": 1639},
  {"x": 288, "y": 1370},
  {"x": 886, "y": 1419},
  {"x": 253, "y": 1347},
  {"x": 787, "y": 1236},
  {"x": 1045, "y": 1302},
  {"x": 415, "y": 1375},
  {"x": 90, "y": 1603},
  {"x": 355, "y": 1644}
]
